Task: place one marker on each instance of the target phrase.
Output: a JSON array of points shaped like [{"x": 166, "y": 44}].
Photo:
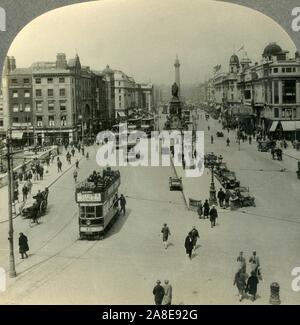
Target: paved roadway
[{"x": 123, "y": 268}]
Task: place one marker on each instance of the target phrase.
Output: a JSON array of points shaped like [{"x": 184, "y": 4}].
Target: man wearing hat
[
  {"x": 213, "y": 215},
  {"x": 165, "y": 234},
  {"x": 158, "y": 293}
]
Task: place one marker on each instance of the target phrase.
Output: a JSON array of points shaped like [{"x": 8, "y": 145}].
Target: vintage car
[
  {"x": 220, "y": 134},
  {"x": 240, "y": 197},
  {"x": 228, "y": 180},
  {"x": 175, "y": 183},
  {"x": 210, "y": 159},
  {"x": 276, "y": 154},
  {"x": 263, "y": 146},
  {"x": 34, "y": 209},
  {"x": 220, "y": 169}
]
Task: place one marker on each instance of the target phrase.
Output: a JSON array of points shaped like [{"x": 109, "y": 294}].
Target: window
[
  {"x": 27, "y": 108},
  {"x": 288, "y": 70},
  {"x": 275, "y": 70},
  {"x": 38, "y": 92},
  {"x": 50, "y": 105},
  {"x": 26, "y": 93},
  {"x": 294, "y": 69},
  {"x": 62, "y": 80},
  {"x": 63, "y": 121},
  {"x": 288, "y": 91},
  {"x": 62, "y": 105},
  {"x": 37, "y": 80},
  {"x": 62, "y": 92},
  {"x": 14, "y": 81},
  {"x": 120, "y": 98},
  {"x": 39, "y": 120},
  {"x": 50, "y": 92},
  {"x": 287, "y": 113},
  {"x": 247, "y": 94},
  {"x": 39, "y": 106},
  {"x": 26, "y": 81},
  {"x": 50, "y": 80},
  {"x": 51, "y": 120},
  {"x": 283, "y": 69},
  {"x": 15, "y": 108},
  {"x": 27, "y": 119},
  {"x": 15, "y": 94},
  {"x": 276, "y": 92},
  {"x": 15, "y": 120},
  {"x": 1, "y": 123},
  {"x": 276, "y": 112},
  {"x": 120, "y": 90}
]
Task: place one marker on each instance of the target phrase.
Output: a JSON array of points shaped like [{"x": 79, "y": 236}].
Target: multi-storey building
[{"x": 264, "y": 95}]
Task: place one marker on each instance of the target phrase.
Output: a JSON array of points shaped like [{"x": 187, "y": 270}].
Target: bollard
[{"x": 274, "y": 299}]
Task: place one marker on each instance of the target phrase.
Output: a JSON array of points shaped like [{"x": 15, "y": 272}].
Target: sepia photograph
[{"x": 150, "y": 155}]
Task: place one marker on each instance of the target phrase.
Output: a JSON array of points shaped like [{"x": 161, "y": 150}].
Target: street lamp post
[
  {"x": 80, "y": 117},
  {"x": 12, "y": 269},
  {"x": 212, "y": 189}
]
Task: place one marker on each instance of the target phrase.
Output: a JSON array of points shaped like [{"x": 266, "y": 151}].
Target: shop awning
[
  {"x": 288, "y": 125},
  {"x": 121, "y": 114},
  {"x": 273, "y": 126},
  {"x": 17, "y": 134}
]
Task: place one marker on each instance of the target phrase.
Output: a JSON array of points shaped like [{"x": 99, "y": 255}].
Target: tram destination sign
[{"x": 88, "y": 197}]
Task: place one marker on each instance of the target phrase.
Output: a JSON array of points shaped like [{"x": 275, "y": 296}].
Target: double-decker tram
[{"x": 98, "y": 202}]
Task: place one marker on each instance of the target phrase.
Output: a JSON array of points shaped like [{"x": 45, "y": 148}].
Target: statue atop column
[{"x": 175, "y": 90}]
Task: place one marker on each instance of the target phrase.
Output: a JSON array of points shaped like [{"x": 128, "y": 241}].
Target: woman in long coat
[
  {"x": 206, "y": 209},
  {"x": 167, "y": 299},
  {"x": 189, "y": 245},
  {"x": 23, "y": 245}
]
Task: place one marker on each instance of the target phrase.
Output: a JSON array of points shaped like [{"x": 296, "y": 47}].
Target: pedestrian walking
[
  {"x": 23, "y": 245},
  {"x": 227, "y": 142},
  {"x": 251, "y": 286},
  {"x": 250, "y": 139},
  {"x": 122, "y": 204},
  {"x": 77, "y": 164},
  {"x": 87, "y": 156},
  {"x": 195, "y": 236},
  {"x": 206, "y": 209},
  {"x": 24, "y": 192},
  {"x": 200, "y": 210},
  {"x": 75, "y": 174},
  {"x": 213, "y": 215},
  {"x": 165, "y": 235},
  {"x": 167, "y": 299},
  {"x": 82, "y": 151},
  {"x": 241, "y": 261},
  {"x": 73, "y": 151},
  {"x": 188, "y": 244},
  {"x": 221, "y": 197},
  {"x": 211, "y": 139},
  {"x": 255, "y": 264},
  {"x": 158, "y": 293},
  {"x": 227, "y": 198},
  {"x": 240, "y": 281},
  {"x": 59, "y": 166}
]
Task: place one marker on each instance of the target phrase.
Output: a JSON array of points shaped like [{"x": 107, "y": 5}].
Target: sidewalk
[{"x": 48, "y": 180}]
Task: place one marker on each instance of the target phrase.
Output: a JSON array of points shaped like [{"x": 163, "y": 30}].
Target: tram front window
[{"x": 91, "y": 212}]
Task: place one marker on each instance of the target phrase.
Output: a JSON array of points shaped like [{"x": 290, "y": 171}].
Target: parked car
[
  {"x": 210, "y": 159},
  {"x": 175, "y": 183},
  {"x": 240, "y": 197},
  {"x": 228, "y": 180},
  {"x": 220, "y": 169}
]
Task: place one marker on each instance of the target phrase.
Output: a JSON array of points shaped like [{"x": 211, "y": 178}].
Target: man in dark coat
[
  {"x": 23, "y": 245},
  {"x": 206, "y": 209},
  {"x": 158, "y": 293},
  {"x": 221, "y": 197},
  {"x": 213, "y": 215},
  {"x": 189, "y": 245},
  {"x": 227, "y": 198},
  {"x": 251, "y": 287},
  {"x": 166, "y": 233},
  {"x": 123, "y": 204}
]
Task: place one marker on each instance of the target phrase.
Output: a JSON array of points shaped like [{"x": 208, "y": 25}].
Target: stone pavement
[{"x": 49, "y": 179}]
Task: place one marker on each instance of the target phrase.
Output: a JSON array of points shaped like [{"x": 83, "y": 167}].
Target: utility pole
[{"x": 12, "y": 269}]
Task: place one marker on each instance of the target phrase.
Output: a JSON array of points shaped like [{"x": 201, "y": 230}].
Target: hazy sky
[{"x": 142, "y": 37}]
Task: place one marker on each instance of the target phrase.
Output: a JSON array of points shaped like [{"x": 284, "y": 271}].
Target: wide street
[{"x": 123, "y": 268}]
